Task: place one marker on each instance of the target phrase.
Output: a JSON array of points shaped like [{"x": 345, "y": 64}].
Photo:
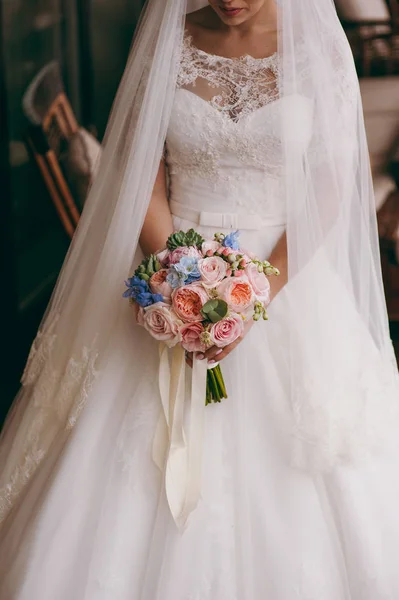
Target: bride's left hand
[{"x": 215, "y": 354}]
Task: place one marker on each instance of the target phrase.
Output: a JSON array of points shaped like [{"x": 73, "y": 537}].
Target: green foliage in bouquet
[
  {"x": 215, "y": 310},
  {"x": 260, "y": 312},
  {"x": 266, "y": 268},
  {"x": 184, "y": 238},
  {"x": 215, "y": 386},
  {"x": 148, "y": 267}
]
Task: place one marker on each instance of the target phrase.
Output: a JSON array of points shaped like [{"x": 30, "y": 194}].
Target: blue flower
[
  {"x": 188, "y": 268},
  {"x": 135, "y": 287},
  {"x": 231, "y": 240},
  {"x": 174, "y": 279},
  {"x": 144, "y": 299},
  {"x": 184, "y": 272},
  {"x": 140, "y": 292}
]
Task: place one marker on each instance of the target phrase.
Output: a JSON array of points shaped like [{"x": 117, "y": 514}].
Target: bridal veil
[{"x": 343, "y": 400}]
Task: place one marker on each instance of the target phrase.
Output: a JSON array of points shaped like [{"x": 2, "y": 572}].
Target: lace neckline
[
  {"x": 218, "y": 58},
  {"x": 235, "y": 86}
]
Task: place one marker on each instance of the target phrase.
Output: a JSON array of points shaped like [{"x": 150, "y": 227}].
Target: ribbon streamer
[{"x": 179, "y": 458}]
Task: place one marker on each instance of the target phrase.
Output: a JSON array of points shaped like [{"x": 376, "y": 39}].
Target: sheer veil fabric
[{"x": 343, "y": 395}]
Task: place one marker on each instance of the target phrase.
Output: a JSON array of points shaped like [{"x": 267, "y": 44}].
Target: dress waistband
[{"x": 224, "y": 220}]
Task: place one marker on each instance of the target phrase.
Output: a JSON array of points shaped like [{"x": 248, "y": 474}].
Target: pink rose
[
  {"x": 140, "y": 312},
  {"x": 189, "y": 251},
  {"x": 227, "y": 330},
  {"x": 163, "y": 257},
  {"x": 191, "y": 337},
  {"x": 159, "y": 285},
  {"x": 161, "y": 323},
  {"x": 248, "y": 254},
  {"x": 260, "y": 283},
  {"x": 212, "y": 269},
  {"x": 188, "y": 302},
  {"x": 237, "y": 292},
  {"x": 211, "y": 245}
]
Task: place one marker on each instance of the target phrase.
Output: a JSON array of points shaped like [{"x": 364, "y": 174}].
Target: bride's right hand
[{"x": 215, "y": 354}]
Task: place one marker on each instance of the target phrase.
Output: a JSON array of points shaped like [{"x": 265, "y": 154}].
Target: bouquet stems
[{"x": 215, "y": 386}]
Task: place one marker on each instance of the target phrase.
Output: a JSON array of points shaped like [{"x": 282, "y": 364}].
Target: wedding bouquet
[{"x": 200, "y": 293}]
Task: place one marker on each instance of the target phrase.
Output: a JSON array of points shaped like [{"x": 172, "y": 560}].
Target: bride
[{"x": 241, "y": 114}]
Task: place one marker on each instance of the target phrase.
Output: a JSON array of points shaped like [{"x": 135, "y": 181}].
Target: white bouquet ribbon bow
[{"x": 177, "y": 455}]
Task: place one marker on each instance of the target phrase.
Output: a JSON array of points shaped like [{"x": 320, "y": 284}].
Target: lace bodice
[
  {"x": 223, "y": 148},
  {"x": 235, "y": 86}
]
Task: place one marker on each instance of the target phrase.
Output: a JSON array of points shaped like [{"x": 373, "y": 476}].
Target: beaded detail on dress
[{"x": 224, "y": 133}]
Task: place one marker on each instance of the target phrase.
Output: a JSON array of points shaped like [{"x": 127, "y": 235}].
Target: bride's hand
[{"x": 215, "y": 354}]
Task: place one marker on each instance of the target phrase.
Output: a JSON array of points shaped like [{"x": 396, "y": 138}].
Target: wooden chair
[
  {"x": 52, "y": 124},
  {"x": 373, "y": 29}
]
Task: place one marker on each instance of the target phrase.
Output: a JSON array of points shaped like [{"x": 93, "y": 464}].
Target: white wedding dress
[{"x": 94, "y": 523}]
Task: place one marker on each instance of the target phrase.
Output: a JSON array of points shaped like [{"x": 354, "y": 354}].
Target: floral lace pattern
[
  {"x": 39, "y": 352},
  {"x": 189, "y": 157},
  {"x": 58, "y": 395},
  {"x": 217, "y": 118},
  {"x": 322, "y": 418},
  {"x": 239, "y": 86}
]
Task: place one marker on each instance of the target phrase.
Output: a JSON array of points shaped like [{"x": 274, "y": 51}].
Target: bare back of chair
[{"x": 53, "y": 123}]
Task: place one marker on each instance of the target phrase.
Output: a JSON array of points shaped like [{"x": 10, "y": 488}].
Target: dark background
[{"x": 91, "y": 40}]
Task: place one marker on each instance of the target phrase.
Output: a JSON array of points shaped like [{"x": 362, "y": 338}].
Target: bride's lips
[{"x": 231, "y": 12}]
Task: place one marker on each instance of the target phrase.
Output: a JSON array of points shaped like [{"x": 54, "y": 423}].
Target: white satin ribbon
[{"x": 179, "y": 458}]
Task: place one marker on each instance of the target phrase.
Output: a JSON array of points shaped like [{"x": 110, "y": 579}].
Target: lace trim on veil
[{"x": 57, "y": 396}]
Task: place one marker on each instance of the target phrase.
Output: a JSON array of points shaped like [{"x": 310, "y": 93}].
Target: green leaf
[
  {"x": 214, "y": 317},
  {"x": 215, "y": 310},
  {"x": 210, "y": 305}
]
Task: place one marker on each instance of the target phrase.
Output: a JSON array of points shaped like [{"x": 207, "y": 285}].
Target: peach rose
[
  {"x": 188, "y": 302},
  {"x": 161, "y": 323},
  {"x": 159, "y": 285},
  {"x": 227, "y": 330},
  {"x": 260, "y": 283},
  {"x": 213, "y": 270},
  {"x": 191, "y": 337},
  {"x": 237, "y": 292},
  {"x": 190, "y": 251}
]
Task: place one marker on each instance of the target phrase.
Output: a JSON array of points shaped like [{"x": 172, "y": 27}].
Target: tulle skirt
[{"x": 94, "y": 524}]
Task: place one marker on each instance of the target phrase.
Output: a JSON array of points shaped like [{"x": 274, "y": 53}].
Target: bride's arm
[
  {"x": 279, "y": 259},
  {"x": 158, "y": 224}
]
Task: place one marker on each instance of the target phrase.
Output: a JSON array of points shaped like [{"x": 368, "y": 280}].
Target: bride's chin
[{"x": 232, "y": 22}]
